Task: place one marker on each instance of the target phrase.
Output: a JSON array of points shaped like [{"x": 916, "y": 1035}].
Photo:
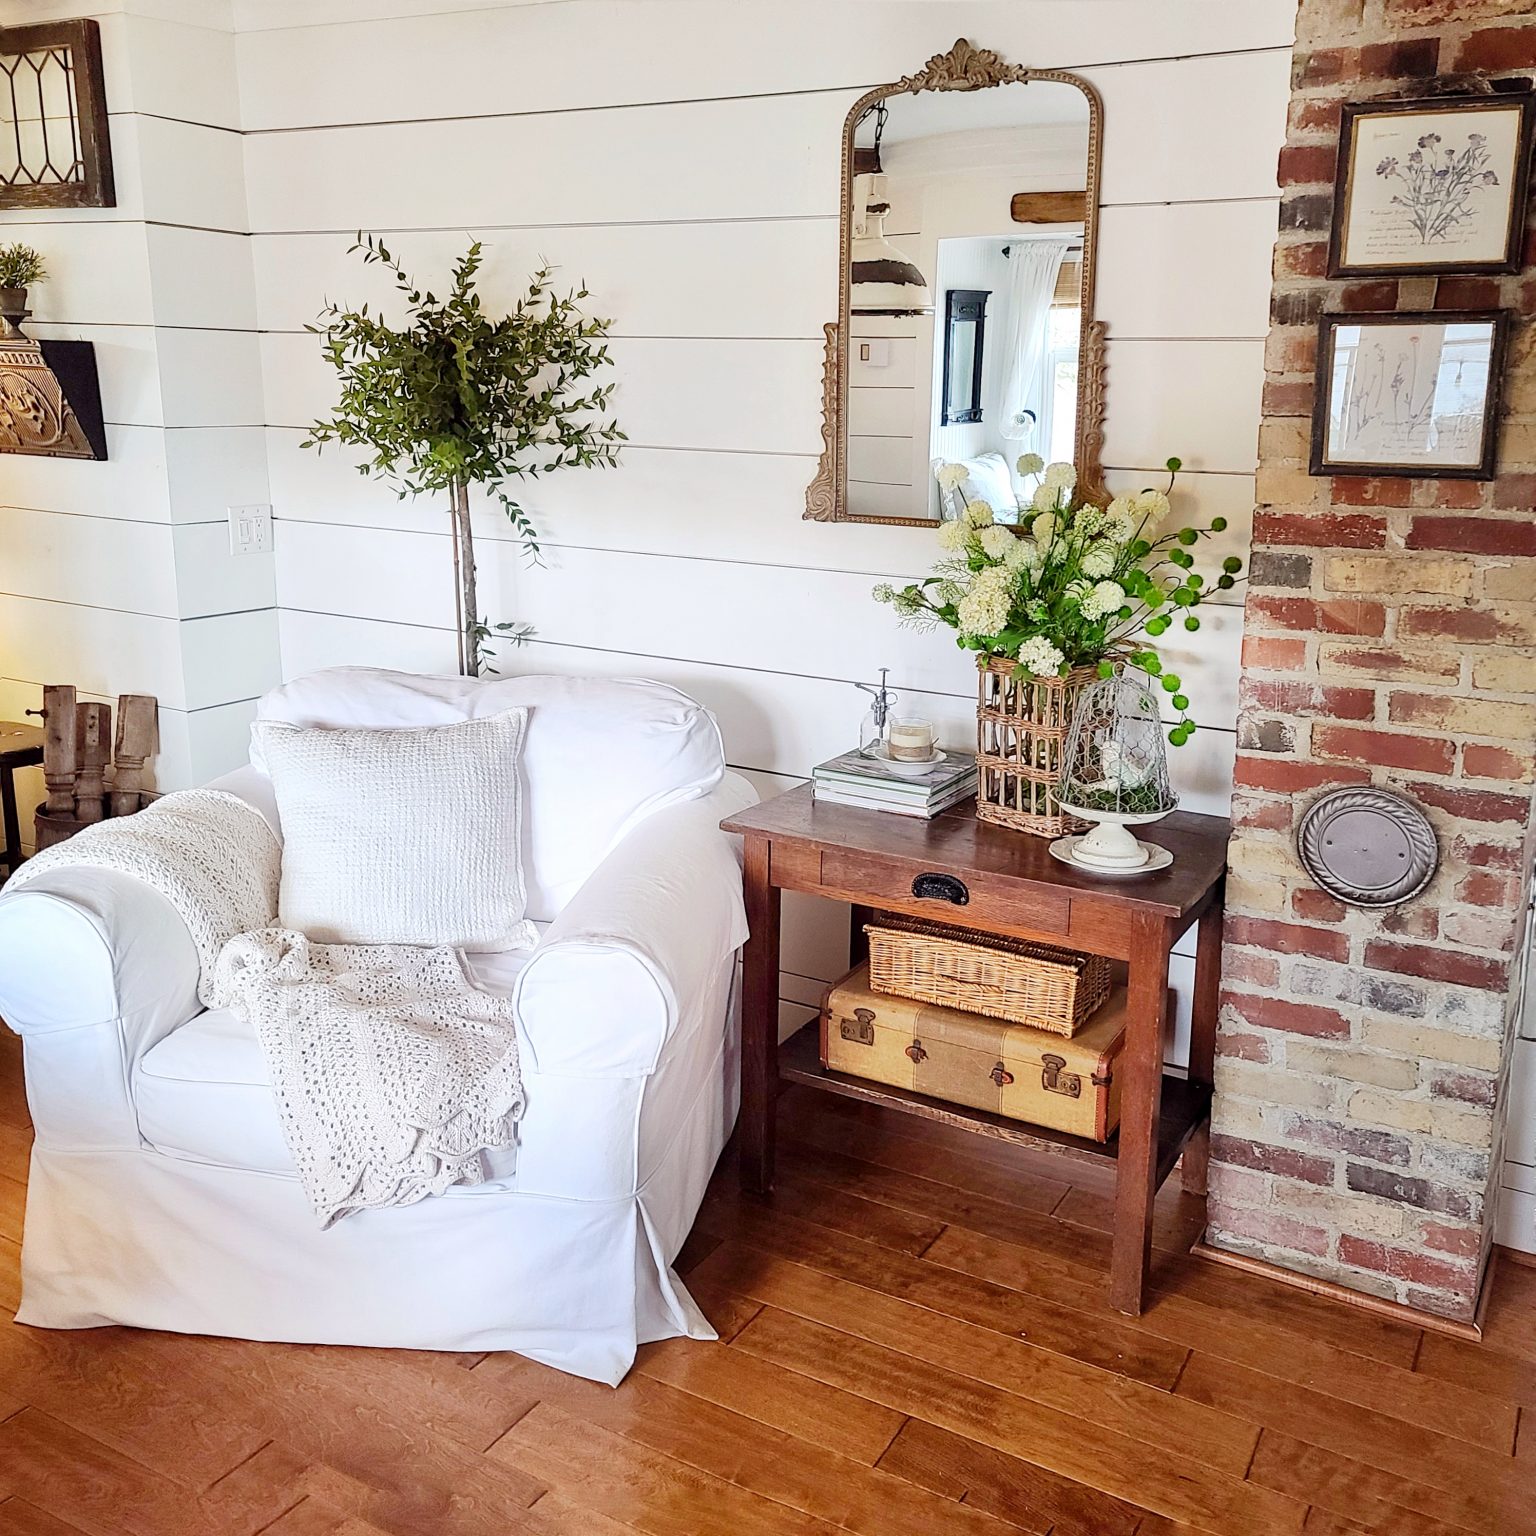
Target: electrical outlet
[{"x": 250, "y": 530}]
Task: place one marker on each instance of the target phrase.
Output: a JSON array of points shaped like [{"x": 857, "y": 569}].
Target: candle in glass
[{"x": 911, "y": 741}]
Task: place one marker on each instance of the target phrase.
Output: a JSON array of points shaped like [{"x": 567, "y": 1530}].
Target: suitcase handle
[{"x": 935, "y": 887}]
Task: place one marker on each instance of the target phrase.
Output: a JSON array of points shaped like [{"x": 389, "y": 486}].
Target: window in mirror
[{"x": 965, "y": 336}]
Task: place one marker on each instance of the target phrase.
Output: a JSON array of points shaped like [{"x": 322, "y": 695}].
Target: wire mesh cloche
[{"x": 1115, "y": 774}]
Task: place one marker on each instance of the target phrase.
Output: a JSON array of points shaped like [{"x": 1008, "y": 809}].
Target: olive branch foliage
[{"x": 454, "y": 398}]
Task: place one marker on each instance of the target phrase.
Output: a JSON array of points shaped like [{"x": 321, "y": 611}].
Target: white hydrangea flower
[
  {"x": 1039, "y": 657},
  {"x": 1044, "y": 529},
  {"x": 951, "y": 476},
  {"x": 984, "y": 609},
  {"x": 884, "y": 593},
  {"x": 1104, "y": 599},
  {"x": 1098, "y": 561},
  {"x": 1046, "y": 499},
  {"x": 1088, "y": 520},
  {"x": 978, "y": 514},
  {"x": 997, "y": 541},
  {"x": 1030, "y": 464},
  {"x": 1020, "y": 553},
  {"x": 1060, "y": 476},
  {"x": 1152, "y": 507},
  {"x": 1121, "y": 518},
  {"x": 948, "y": 591},
  {"x": 952, "y": 535}
]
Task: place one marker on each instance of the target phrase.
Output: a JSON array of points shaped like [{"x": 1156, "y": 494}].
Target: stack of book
[{"x": 854, "y": 779}]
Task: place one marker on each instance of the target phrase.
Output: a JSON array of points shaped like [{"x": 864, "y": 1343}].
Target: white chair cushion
[
  {"x": 599, "y": 754},
  {"x": 403, "y": 836},
  {"x": 987, "y": 479}
]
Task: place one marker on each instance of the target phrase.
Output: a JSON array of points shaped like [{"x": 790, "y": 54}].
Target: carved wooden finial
[
  {"x": 93, "y": 751},
  {"x": 138, "y": 719},
  {"x": 964, "y": 68}
]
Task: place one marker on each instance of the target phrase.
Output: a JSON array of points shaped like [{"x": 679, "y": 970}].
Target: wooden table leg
[
  {"x": 1140, "y": 1104},
  {"x": 759, "y": 1019},
  {"x": 12, "y": 855},
  {"x": 1202, "y": 1038},
  {"x": 858, "y": 940}
]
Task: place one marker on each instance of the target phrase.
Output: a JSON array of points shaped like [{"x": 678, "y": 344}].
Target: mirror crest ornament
[{"x": 963, "y": 68}]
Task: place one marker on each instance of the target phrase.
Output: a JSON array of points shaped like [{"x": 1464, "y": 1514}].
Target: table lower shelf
[{"x": 1185, "y": 1107}]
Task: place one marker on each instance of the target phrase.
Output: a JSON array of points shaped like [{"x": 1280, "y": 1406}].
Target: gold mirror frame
[{"x": 963, "y": 68}]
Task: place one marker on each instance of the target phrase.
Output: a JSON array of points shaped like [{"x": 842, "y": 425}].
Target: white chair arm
[{"x": 649, "y": 928}]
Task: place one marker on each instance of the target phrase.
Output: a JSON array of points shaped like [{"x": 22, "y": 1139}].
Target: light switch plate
[{"x": 250, "y": 530}]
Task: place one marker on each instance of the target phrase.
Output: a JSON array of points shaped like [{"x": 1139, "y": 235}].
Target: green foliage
[
  {"x": 1133, "y": 799},
  {"x": 21, "y": 266}
]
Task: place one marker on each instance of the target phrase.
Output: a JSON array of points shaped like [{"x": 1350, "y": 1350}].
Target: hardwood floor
[{"x": 914, "y": 1342}]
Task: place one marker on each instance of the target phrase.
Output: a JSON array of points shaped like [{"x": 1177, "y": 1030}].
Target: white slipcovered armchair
[{"x": 161, "y": 1192}]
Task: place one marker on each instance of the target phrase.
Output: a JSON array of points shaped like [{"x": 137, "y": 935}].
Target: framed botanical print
[
  {"x": 1432, "y": 187},
  {"x": 1409, "y": 393}
]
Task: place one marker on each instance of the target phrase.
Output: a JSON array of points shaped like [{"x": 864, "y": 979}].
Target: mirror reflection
[{"x": 965, "y": 279}]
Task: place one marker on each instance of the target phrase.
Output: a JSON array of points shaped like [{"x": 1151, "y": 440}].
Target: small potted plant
[{"x": 20, "y": 267}]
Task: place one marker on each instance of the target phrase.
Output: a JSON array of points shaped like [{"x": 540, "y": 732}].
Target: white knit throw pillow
[{"x": 402, "y": 836}]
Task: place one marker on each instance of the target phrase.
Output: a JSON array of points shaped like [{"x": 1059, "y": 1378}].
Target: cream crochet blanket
[{"x": 392, "y": 1072}]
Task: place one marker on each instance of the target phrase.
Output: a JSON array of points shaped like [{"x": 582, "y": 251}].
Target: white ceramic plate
[
  {"x": 1064, "y": 848},
  {"x": 906, "y": 768}
]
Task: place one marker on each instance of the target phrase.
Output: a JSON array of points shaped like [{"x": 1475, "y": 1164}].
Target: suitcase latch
[
  {"x": 860, "y": 1028},
  {"x": 916, "y": 1053},
  {"x": 1054, "y": 1080},
  {"x": 1001, "y": 1075}
]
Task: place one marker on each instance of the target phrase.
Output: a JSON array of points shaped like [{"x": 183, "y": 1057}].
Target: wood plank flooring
[{"x": 915, "y": 1342}]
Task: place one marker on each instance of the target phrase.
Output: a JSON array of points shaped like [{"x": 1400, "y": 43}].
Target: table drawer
[{"x": 934, "y": 892}]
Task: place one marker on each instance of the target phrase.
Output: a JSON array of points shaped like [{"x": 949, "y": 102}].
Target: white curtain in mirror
[{"x": 1033, "y": 269}]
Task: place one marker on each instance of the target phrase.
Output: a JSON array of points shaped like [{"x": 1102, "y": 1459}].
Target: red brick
[
  {"x": 1415, "y": 58},
  {"x": 1357, "y": 1140},
  {"x": 1488, "y": 855},
  {"x": 1272, "y": 654},
  {"x": 1277, "y": 1013},
  {"x": 1270, "y": 1227},
  {"x": 1316, "y": 114},
  {"x": 1414, "y": 921},
  {"x": 1473, "y": 804},
  {"x": 1372, "y": 490},
  {"x": 1383, "y": 749},
  {"x": 1403, "y": 1264},
  {"x": 1289, "y": 1164},
  {"x": 1339, "y": 616},
  {"x": 1464, "y": 1242},
  {"x": 1473, "y": 626},
  {"x": 1252, "y": 966},
  {"x": 1296, "y": 353},
  {"x": 1467, "y": 293},
  {"x": 1458, "y": 495},
  {"x": 1262, "y": 815},
  {"x": 1496, "y": 763},
  {"x": 1365, "y": 659},
  {"x": 1498, "y": 48},
  {"x": 1325, "y": 66},
  {"x": 1287, "y": 776},
  {"x": 1306, "y": 164},
  {"x": 1231, "y": 1042},
  {"x": 1352, "y": 530},
  {"x": 1516, "y": 493},
  {"x": 1465, "y": 1088},
  {"x": 1436, "y": 963},
  {"x": 1306, "y": 258},
  {"x": 1480, "y": 888},
  {"x": 1288, "y": 938},
  {"x": 1294, "y": 399},
  {"x": 1369, "y": 297},
  {"x": 1291, "y": 1018},
  {"x": 1317, "y": 906},
  {"x": 1309, "y": 700},
  {"x": 1474, "y": 535}
]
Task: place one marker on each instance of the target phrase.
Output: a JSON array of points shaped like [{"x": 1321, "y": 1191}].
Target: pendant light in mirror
[{"x": 883, "y": 281}]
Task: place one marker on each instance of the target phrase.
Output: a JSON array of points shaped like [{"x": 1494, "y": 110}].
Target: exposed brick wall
[{"x": 1390, "y": 638}]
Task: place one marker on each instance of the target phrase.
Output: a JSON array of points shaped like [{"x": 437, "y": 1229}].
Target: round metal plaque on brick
[{"x": 1368, "y": 847}]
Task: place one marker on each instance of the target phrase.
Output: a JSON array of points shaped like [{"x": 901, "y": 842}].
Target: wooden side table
[
  {"x": 21, "y": 746},
  {"x": 1003, "y": 882}
]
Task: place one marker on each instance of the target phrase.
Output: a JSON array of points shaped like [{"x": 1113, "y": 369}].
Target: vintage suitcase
[{"x": 965, "y": 1058}]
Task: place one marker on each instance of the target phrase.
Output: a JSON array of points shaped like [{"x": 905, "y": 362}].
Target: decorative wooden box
[{"x": 1008, "y": 1069}]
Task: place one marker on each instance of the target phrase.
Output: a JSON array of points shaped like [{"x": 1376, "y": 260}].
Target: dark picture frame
[
  {"x": 963, "y": 307},
  {"x": 1391, "y": 386},
  {"x": 1355, "y": 122}
]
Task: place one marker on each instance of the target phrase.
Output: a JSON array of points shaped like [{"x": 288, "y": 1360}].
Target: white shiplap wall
[
  {"x": 117, "y": 577},
  {"x": 681, "y": 159}
]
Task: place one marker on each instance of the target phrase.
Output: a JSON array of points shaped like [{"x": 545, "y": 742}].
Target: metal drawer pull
[
  {"x": 1001, "y": 1075},
  {"x": 941, "y": 888}
]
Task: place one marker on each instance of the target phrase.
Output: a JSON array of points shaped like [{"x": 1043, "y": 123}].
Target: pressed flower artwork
[{"x": 1432, "y": 187}]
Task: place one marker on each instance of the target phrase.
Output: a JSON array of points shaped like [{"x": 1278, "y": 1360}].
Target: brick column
[{"x": 1390, "y": 638}]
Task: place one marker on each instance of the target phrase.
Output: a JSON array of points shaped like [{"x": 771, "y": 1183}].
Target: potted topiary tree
[
  {"x": 456, "y": 399},
  {"x": 20, "y": 267}
]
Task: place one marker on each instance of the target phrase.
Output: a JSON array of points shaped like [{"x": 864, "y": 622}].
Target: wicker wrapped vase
[
  {"x": 1034, "y": 984},
  {"x": 1021, "y": 730}
]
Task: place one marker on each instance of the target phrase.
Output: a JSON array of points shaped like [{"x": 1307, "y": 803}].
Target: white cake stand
[{"x": 1109, "y": 848}]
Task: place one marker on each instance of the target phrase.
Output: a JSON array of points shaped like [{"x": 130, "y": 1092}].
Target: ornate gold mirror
[{"x": 965, "y": 335}]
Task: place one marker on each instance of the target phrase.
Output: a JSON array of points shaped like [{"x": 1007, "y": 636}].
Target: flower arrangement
[{"x": 1076, "y": 584}]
